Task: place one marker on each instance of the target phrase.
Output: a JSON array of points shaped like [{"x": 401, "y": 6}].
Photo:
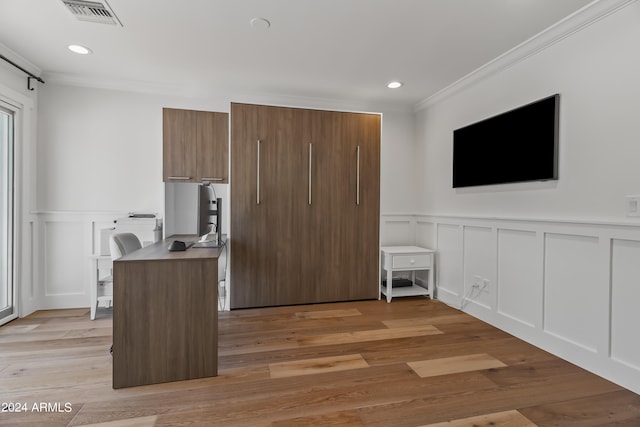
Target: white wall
[
  {"x": 397, "y": 174},
  {"x": 100, "y": 156},
  {"x": 596, "y": 73},
  {"x": 559, "y": 257},
  {"x": 101, "y": 150}
]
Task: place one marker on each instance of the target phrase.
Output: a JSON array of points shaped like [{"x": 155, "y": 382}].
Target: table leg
[
  {"x": 93, "y": 292},
  {"x": 389, "y": 284},
  {"x": 430, "y": 284}
]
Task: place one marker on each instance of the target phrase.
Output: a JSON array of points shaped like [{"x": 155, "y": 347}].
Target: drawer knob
[{"x": 413, "y": 261}]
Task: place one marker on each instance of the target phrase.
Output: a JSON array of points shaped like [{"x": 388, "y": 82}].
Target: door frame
[{"x": 11, "y": 311}]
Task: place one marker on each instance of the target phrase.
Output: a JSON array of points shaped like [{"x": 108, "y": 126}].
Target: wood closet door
[
  {"x": 319, "y": 210},
  {"x": 363, "y": 131},
  {"x": 343, "y": 258},
  {"x": 267, "y": 206},
  {"x": 311, "y": 236}
]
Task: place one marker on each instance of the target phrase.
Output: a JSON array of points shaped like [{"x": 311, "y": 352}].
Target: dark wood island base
[{"x": 165, "y": 316}]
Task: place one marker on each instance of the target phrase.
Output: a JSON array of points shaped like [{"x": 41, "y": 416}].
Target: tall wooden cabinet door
[
  {"x": 316, "y": 214},
  {"x": 354, "y": 205},
  {"x": 346, "y": 188},
  {"x": 265, "y": 187},
  {"x": 179, "y": 150},
  {"x": 247, "y": 131},
  {"x": 363, "y": 131},
  {"x": 324, "y": 256},
  {"x": 212, "y": 146}
]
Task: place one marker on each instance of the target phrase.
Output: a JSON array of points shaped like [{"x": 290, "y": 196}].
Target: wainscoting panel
[
  {"x": 569, "y": 287},
  {"x": 65, "y": 248},
  {"x": 397, "y": 230},
  {"x": 29, "y": 302},
  {"x": 625, "y": 297},
  {"x": 479, "y": 267},
  {"x": 406, "y": 229},
  {"x": 425, "y": 233},
  {"x": 65, "y": 242},
  {"x": 449, "y": 279},
  {"x": 520, "y": 277},
  {"x": 571, "y": 298}
]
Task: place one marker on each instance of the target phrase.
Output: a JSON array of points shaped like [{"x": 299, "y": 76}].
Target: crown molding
[
  {"x": 577, "y": 21},
  {"x": 20, "y": 60},
  {"x": 184, "y": 91},
  {"x": 116, "y": 84}
]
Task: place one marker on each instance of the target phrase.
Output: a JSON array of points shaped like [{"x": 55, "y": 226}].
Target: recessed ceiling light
[
  {"x": 81, "y": 50},
  {"x": 260, "y": 23},
  {"x": 394, "y": 85}
]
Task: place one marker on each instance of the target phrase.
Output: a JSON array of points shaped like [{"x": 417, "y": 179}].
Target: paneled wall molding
[
  {"x": 567, "y": 286},
  {"x": 118, "y": 214},
  {"x": 466, "y": 219},
  {"x": 64, "y": 243},
  {"x": 397, "y": 229}
]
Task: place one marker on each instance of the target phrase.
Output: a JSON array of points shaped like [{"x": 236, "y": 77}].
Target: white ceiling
[{"x": 331, "y": 49}]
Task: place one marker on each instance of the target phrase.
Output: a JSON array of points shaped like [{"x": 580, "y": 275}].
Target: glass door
[{"x": 7, "y": 294}]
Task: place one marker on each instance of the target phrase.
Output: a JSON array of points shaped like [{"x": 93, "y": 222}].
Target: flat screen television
[{"x": 517, "y": 146}]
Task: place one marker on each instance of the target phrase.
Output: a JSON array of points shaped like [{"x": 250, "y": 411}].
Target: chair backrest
[{"x": 122, "y": 244}]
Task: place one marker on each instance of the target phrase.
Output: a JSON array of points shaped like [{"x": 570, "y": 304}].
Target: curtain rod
[{"x": 30, "y": 75}]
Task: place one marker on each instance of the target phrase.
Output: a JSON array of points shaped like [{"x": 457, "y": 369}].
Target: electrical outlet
[
  {"x": 485, "y": 285},
  {"x": 633, "y": 205}
]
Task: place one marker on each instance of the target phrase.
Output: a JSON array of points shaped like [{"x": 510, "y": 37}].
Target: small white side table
[{"x": 407, "y": 258}]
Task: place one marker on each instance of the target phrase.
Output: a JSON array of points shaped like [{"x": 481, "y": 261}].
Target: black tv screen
[{"x": 516, "y": 146}]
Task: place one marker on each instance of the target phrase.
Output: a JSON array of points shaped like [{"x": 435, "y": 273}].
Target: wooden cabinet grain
[
  {"x": 165, "y": 317},
  {"x": 178, "y": 144},
  {"x": 195, "y": 145},
  {"x": 305, "y": 205}
]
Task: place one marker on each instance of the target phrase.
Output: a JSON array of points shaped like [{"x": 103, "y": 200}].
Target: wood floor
[{"x": 414, "y": 362}]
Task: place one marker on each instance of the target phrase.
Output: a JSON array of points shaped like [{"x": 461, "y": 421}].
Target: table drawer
[{"x": 412, "y": 261}]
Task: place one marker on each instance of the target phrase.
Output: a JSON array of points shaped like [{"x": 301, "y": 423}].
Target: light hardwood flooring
[{"x": 414, "y": 362}]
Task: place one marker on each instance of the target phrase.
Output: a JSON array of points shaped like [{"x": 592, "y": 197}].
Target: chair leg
[{"x": 94, "y": 307}]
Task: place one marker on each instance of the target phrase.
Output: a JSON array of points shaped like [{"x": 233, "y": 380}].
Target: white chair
[
  {"x": 122, "y": 244},
  {"x": 119, "y": 245}
]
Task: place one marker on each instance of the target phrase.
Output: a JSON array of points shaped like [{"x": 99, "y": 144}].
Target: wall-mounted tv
[{"x": 517, "y": 146}]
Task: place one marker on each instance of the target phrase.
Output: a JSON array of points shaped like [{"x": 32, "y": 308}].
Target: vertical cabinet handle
[
  {"x": 258, "y": 175},
  {"x": 310, "y": 162},
  {"x": 358, "y": 175}
]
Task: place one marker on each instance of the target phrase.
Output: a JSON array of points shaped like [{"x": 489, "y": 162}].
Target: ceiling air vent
[{"x": 93, "y": 11}]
